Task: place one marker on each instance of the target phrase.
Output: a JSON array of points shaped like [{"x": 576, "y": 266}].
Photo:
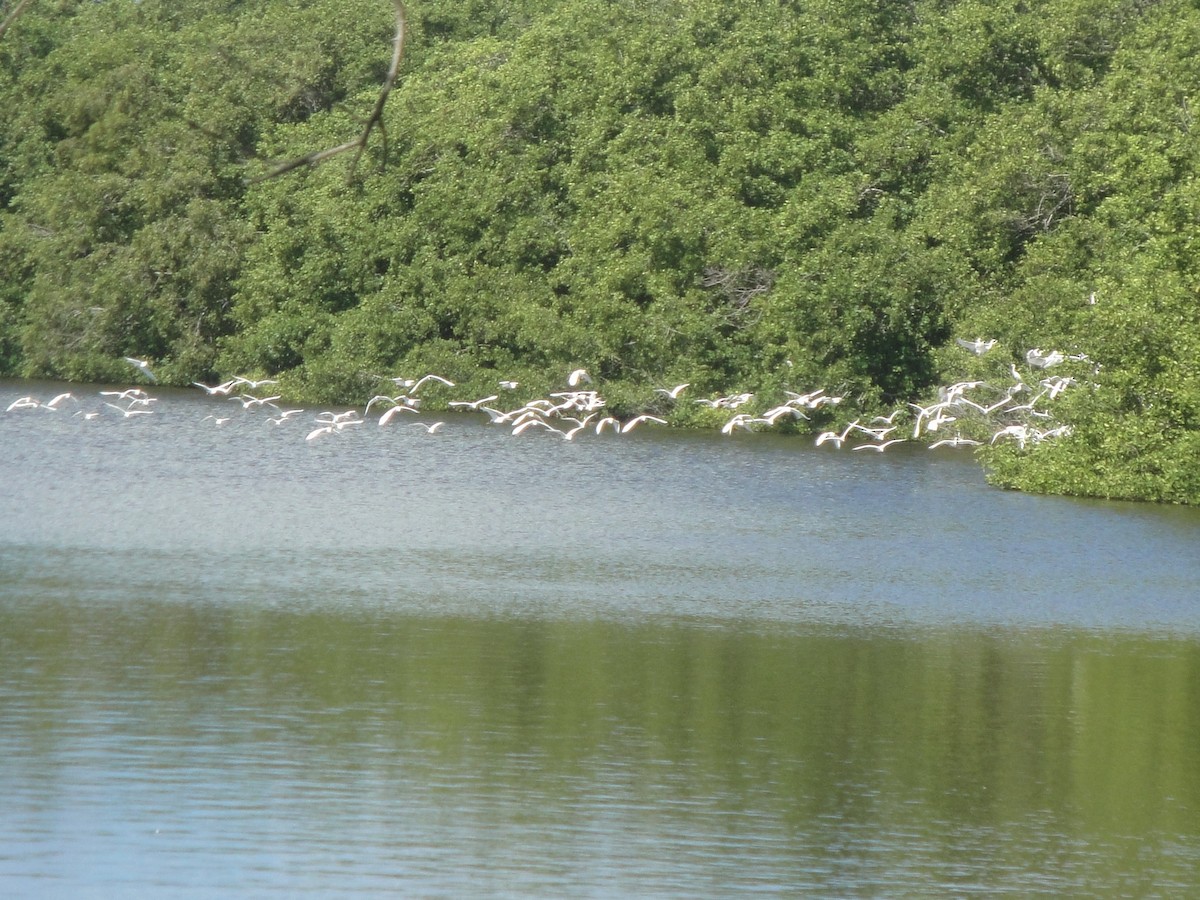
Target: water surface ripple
[{"x": 236, "y": 663}]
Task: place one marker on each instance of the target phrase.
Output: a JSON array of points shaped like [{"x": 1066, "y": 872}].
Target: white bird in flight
[
  {"x": 129, "y": 412},
  {"x": 955, "y": 441},
  {"x": 222, "y": 389},
  {"x": 638, "y": 420},
  {"x": 1040, "y": 360},
  {"x": 127, "y": 394},
  {"x": 530, "y": 423},
  {"x": 251, "y": 383},
  {"x": 471, "y": 404},
  {"x": 740, "y": 422},
  {"x": 249, "y": 402},
  {"x": 674, "y": 392},
  {"x": 835, "y": 438},
  {"x": 142, "y": 366},
  {"x": 416, "y": 386},
  {"x": 879, "y": 448},
  {"x": 978, "y": 346},
  {"x": 393, "y": 412}
]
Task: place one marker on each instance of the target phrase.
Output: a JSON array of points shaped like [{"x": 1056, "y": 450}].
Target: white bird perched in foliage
[
  {"x": 509, "y": 385},
  {"x": 578, "y": 377},
  {"x": 142, "y": 366},
  {"x": 978, "y": 346}
]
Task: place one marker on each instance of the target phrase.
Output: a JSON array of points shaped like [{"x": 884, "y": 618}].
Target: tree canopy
[{"x": 756, "y": 196}]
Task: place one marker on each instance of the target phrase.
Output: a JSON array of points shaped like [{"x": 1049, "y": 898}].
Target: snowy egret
[
  {"x": 393, "y": 412},
  {"x": 416, "y": 386},
  {"x": 638, "y": 420},
  {"x": 879, "y": 448},
  {"x": 142, "y": 366},
  {"x": 252, "y": 383},
  {"x": 955, "y": 441},
  {"x": 1040, "y": 360},
  {"x": 127, "y": 394},
  {"x": 836, "y": 439},
  {"x": 978, "y": 346},
  {"x": 221, "y": 389},
  {"x": 129, "y": 412},
  {"x": 471, "y": 404},
  {"x": 740, "y": 422},
  {"x": 432, "y": 428},
  {"x": 674, "y": 392},
  {"x": 249, "y": 402}
]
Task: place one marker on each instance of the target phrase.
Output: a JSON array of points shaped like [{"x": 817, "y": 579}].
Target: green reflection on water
[{"x": 1050, "y": 760}]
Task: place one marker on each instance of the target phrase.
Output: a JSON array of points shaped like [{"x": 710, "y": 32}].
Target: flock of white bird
[{"x": 976, "y": 411}]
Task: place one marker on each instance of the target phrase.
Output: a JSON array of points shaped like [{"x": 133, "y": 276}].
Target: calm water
[{"x": 233, "y": 662}]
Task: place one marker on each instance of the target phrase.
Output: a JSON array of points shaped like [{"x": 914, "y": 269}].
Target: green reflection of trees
[{"x": 827, "y": 733}]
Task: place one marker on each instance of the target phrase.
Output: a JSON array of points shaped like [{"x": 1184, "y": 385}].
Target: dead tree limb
[
  {"x": 375, "y": 120},
  {"x": 13, "y": 16}
]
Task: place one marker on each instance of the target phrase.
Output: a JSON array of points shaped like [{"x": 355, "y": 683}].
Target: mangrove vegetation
[{"x": 755, "y": 196}]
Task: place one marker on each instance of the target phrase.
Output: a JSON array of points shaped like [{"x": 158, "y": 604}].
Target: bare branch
[
  {"x": 375, "y": 120},
  {"x": 12, "y": 16}
]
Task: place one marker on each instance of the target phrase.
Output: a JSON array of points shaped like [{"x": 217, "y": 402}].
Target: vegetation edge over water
[{"x": 756, "y": 197}]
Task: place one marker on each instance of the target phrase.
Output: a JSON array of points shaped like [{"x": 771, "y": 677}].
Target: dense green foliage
[{"x": 747, "y": 196}]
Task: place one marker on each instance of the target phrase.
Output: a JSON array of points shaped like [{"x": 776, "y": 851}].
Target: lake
[{"x": 234, "y": 662}]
